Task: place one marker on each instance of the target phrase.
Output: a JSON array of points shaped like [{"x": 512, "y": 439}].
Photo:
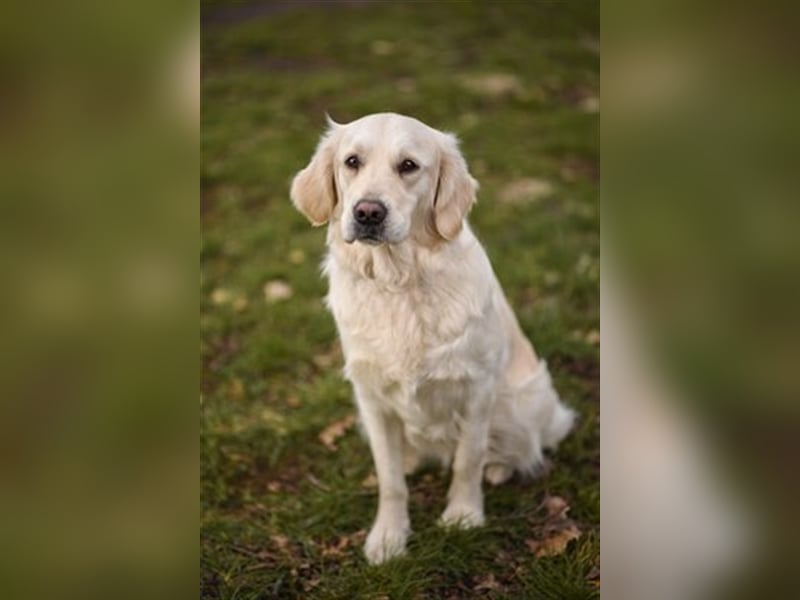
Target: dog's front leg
[
  {"x": 465, "y": 497},
  {"x": 391, "y": 528}
]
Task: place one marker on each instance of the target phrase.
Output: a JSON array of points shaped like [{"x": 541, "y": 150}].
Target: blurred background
[
  {"x": 700, "y": 295},
  {"x": 99, "y": 120},
  {"x": 287, "y": 485}
]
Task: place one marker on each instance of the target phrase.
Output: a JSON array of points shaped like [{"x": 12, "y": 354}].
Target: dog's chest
[{"x": 413, "y": 334}]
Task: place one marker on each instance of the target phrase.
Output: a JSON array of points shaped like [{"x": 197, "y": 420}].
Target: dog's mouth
[
  {"x": 371, "y": 239},
  {"x": 372, "y": 236}
]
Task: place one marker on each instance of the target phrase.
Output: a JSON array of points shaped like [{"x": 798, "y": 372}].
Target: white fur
[{"x": 439, "y": 365}]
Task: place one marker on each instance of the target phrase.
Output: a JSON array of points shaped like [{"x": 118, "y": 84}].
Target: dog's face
[{"x": 385, "y": 178}]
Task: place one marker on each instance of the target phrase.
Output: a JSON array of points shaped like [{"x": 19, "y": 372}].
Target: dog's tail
[
  {"x": 556, "y": 419},
  {"x": 527, "y": 419}
]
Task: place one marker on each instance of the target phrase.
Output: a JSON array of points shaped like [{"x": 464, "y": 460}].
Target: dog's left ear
[
  {"x": 314, "y": 188},
  {"x": 455, "y": 191}
]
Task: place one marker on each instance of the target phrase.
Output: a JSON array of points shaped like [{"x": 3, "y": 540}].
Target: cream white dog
[{"x": 439, "y": 365}]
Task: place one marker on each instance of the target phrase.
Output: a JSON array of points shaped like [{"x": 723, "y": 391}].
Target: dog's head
[{"x": 385, "y": 178}]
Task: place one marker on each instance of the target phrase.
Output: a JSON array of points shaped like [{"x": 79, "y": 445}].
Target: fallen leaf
[
  {"x": 293, "y": 401},
  {"x": 317, "y": 483},
  {"x": 336, "y": 430},
  {"x": 297, "y": 256},
  {"x": 337, "y": 548},
  {"x": 593, "y": 576},
  {"x": 281, "y": 541},
  {"x": 553, "y": 533},
  {"x": 221, "y": 296},
  {"x": 590, "y": 104},
  {"x": 327, "y": 359},
  {"x": 556, "y": 543},
  {"x": 555, "y": 506},
  {"x": 277, "y": 290},
  {"x": 526, "y": 190},
  {"x": 488, "y": 583},
  {"x": 370, "y": 481},
  {"x": 593, "y": 338},
  {"x": 493, "y": 84}
]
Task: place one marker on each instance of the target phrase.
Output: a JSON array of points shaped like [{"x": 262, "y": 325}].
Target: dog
[{"x": 438, "y": 363}]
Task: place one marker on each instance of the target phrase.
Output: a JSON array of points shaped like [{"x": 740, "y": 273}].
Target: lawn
[{"x": 287, "y": 491}]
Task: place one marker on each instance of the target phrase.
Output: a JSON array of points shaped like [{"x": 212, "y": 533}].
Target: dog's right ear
[{"x": 314, "y": 188}]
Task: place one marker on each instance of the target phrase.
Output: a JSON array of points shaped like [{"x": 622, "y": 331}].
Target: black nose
[{"x": 369, "y": 212}]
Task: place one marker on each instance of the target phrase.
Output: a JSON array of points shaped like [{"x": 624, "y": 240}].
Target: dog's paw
[
  {"x": 384, "y": 542},
  {"x": 462, "y": 516},
  {"x": 498, "y": 473}
]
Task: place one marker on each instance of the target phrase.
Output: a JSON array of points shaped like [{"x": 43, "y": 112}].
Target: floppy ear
[
  {"x": 455, "y": 192},
  {"x": 314, "y": 189}
]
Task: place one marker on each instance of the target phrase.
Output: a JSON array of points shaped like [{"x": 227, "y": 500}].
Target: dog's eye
[
  {"x": 352, "y": 162},
  {"x": 407, "y": 166}
]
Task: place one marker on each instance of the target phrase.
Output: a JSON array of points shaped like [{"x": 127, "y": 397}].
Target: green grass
[{"x": 282, "y": 515}]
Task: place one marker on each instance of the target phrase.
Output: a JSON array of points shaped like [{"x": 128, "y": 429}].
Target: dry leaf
[
  {"x": 297, "y": 256},
  {"x": 556, "y": 543},
  {"x": 526, "y": 190},
  {"x": 556, "y": 507},
  {"x": 221, "y": 296},
  {"x": 370, "y": 481},
  {"x": 338, "y": 548},
  {"x": 281, "y": 541},
  {"x": 590, "y": 104},
  {"x": 593, "y": 576},
  {"x": 336, "y": 430},
  {"x": 277, "y": 290},
  {"x": 488, "y": 583},
  {"x": 327, "y": 359},
  {"x": 493, "y": 84},
  {"x": 556, "y": 531},
  {"x": 593, "y": 338}
]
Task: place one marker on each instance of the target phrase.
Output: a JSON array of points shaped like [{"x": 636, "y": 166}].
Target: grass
[{"x": 283, "y": 516}]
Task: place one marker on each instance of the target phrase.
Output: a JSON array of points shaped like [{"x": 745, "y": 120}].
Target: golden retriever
[{"x": 438, "y": 363}]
